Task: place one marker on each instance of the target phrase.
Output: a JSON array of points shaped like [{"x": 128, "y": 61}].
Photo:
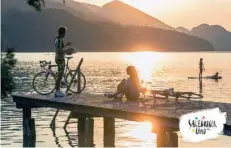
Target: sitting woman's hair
[{"x": 131, "y": 71}]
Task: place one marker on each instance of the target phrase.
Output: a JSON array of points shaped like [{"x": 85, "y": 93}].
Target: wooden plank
[
  {"x": 105, "y": 112},
  {"x": 97, "y": 105},
  {"x": 79, "y": 115}
]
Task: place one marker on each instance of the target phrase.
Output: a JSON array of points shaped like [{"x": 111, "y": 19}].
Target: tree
[
  {"x": 8, "y": 62},
  {"x": 38, "y": 4}
]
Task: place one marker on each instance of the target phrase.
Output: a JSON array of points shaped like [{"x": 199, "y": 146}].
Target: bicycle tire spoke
[{"x": 44, "y": 83}]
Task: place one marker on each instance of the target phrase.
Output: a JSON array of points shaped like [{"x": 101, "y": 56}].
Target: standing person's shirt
[
  {"x": 201, "y": 65},
  {"x": 59, "y": 54}
]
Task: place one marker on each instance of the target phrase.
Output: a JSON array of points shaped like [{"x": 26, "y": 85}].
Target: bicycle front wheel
[
  {"x": 44, "y": 83},
  {"x": 74, "y": 85}
]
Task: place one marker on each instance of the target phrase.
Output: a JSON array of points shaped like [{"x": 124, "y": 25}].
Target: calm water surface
[{"x": 103, "y": 72}]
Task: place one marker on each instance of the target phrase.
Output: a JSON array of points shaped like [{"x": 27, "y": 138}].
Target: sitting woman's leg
[
  {"x": 119, "y": 92},
  {"x": 132, "y": 96}
]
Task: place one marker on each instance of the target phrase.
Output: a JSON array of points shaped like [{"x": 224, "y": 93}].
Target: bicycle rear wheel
[
  {"x": 74, "y": 86},
  {"x": 44, "y": 83}
]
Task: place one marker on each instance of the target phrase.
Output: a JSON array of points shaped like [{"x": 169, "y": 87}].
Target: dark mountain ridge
[
  {"x": 35, "y": 32},
  {"x": 216, "y": 34}
]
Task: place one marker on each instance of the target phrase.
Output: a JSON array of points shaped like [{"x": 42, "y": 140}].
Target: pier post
[
  {"x": 109, "y": 132},
  {"x": 89, "y": 132},
  {"x": 29, "y": 132},
  {"x": 81, "y": 132},
  {"x": 166, "y": 139},
  {"x": 173, "y": 139},
  {"x": 29, "y": 141},
  {"x": 27, "y": 122},
  {"x": 85, "y": 132},
  {"x": 161, "y": 138}
]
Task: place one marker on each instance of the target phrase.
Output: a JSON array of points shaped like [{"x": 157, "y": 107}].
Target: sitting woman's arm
[{"x": 138, "y": 85}]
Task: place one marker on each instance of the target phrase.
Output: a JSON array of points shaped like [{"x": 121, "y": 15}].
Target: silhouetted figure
[
  {"x": 59, "y": 59},
  {"x": 216, "y": 76},
  {"x": 201, "y": 86},
  {"x": 201, "y": 68},
  {"x": 130, "y": 87}
]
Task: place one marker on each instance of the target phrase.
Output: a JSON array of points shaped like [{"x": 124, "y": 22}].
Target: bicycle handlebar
[{"x": 44, "y": 63}]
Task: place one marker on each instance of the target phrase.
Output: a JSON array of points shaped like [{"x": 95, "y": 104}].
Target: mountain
[
  {"x": 124, "y": 14},
  {"x": 217, "y": 35},
  {"x": 182, "y": 29},
  {"x": 31, "y": 31},
  {"x": 9, "y": 5},
  {"x": 82, "y": 10},
  {"x": 115, "y": 11}
]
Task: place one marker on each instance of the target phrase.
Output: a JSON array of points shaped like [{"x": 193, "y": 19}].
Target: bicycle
[{"x": 48, "y": 77}]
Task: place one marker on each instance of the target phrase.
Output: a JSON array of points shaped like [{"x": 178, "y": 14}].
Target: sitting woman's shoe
[{"x": 108, "y": 95}]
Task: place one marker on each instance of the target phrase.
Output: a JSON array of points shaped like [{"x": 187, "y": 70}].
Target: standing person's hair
[{"x": 62, "y": 30}]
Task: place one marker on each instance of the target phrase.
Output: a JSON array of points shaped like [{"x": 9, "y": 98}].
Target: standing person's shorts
[
  {"x": 201, "y": 70},
  {"x": 61, "y": 64}
]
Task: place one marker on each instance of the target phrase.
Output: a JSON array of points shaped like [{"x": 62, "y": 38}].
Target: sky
[{"x": 185, "y": 13}]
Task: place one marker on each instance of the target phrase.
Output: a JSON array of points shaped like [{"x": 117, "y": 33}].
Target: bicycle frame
[
  {"x": 66, "y": 70},
  {"x": 48, "y": 70}
]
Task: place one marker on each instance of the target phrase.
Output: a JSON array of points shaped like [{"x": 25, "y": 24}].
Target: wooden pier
[{"x": 164, "y": 117}]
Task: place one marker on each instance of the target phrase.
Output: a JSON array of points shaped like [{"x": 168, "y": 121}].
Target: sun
[{"x": 145, "y": 62}]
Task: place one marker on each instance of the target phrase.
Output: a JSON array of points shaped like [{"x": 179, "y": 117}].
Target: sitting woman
[{"x": 130, "y": 87}]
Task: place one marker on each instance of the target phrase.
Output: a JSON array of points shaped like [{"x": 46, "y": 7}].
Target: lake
[{"x": 103, "y": 72}]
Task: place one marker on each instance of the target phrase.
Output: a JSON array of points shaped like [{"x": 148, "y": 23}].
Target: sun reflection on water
[
  {"x": 145, "y": 62},
  {"x": 143, "y": 131}
]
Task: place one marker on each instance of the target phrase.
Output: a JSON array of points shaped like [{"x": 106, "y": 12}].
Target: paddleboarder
[{"x": 201, "y": 68}]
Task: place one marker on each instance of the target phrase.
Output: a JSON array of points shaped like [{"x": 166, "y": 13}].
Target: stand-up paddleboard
[{"x": 208, "y": 77}]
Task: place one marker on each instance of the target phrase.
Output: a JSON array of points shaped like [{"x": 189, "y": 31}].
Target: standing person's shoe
[{"x": 58, "y": 93}]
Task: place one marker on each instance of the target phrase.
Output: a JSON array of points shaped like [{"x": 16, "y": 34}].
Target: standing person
[
  {"x": 60, "y": 59},
  {"x": 201, "y": 68}
]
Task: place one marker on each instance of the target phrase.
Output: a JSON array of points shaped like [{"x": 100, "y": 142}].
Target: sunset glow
[
  {"x": 145, "y": 62},
  {"x": 143, "y": 131},
  {"x": 185, "y": 13}
]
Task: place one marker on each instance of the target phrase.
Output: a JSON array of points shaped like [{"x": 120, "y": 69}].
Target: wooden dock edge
[{"x": 165, "y": 128}]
